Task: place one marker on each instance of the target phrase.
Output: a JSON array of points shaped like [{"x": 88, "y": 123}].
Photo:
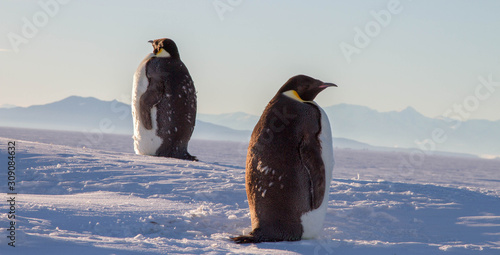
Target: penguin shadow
[{"x": 228, "y": 153}]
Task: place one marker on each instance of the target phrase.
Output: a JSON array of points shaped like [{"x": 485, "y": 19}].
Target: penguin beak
[
  {"x": 150, "y": 41},
  {"x": 326, "y": 85}
]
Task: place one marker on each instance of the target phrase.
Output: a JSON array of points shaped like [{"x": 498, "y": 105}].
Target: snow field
[{"x": 111, "y": 201}]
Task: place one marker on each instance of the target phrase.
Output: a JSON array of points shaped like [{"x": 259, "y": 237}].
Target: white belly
[
  {"x": 146, "y": 142},
  {"x": 312, "y": 222}
]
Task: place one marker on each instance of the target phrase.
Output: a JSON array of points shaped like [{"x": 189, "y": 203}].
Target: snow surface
[{"x": 104, "y": 199}]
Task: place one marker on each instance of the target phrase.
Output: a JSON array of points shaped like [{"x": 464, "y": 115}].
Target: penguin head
[
  {"x": 304, "y": 87},
  {"x": 165, "y": 48}
]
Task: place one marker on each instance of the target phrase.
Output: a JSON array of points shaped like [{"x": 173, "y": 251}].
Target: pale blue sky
[{"x": 428, "y": 56}]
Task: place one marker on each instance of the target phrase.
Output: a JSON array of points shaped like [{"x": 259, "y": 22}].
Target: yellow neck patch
[
  {"x": 293, "y": 95},
  {"x": 163, "y": 54}
]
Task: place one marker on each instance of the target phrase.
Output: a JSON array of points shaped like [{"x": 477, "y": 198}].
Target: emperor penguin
[
  {"x": 163, "y": 103},
  {"x": 289, "y": 165}
]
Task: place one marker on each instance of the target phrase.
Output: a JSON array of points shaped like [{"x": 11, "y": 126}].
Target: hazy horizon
[{"x": 232, "y": 112}]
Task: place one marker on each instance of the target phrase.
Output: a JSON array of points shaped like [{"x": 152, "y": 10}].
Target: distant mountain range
[
  {"x": 91, "y": 115},
  {"x": 395, "y": 129},
  {"x": 359, "y": 127},
  {"x": 88, "y": 114},
  {"x": 235, "y": 120},
  {"x": 7, "y": 106}
]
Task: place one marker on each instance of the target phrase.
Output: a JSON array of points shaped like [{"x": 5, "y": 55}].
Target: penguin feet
[
  {"x": 245, "y": 239},
  {"x": 253, "y": 239},
  {"x": 258, "y": 236},
  {"x": 188, "y": 156},
  {"x": 185, "y": 156}
]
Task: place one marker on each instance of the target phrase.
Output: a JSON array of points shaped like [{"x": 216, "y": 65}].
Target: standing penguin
[
  {"x": 163, "y": 103},
  {"x": 289, "y": 165}
]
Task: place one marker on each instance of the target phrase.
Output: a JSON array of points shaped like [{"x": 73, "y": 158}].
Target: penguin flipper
[
  {"x": 148, "y": 100},
  {"x": 310, "y": 157}
]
